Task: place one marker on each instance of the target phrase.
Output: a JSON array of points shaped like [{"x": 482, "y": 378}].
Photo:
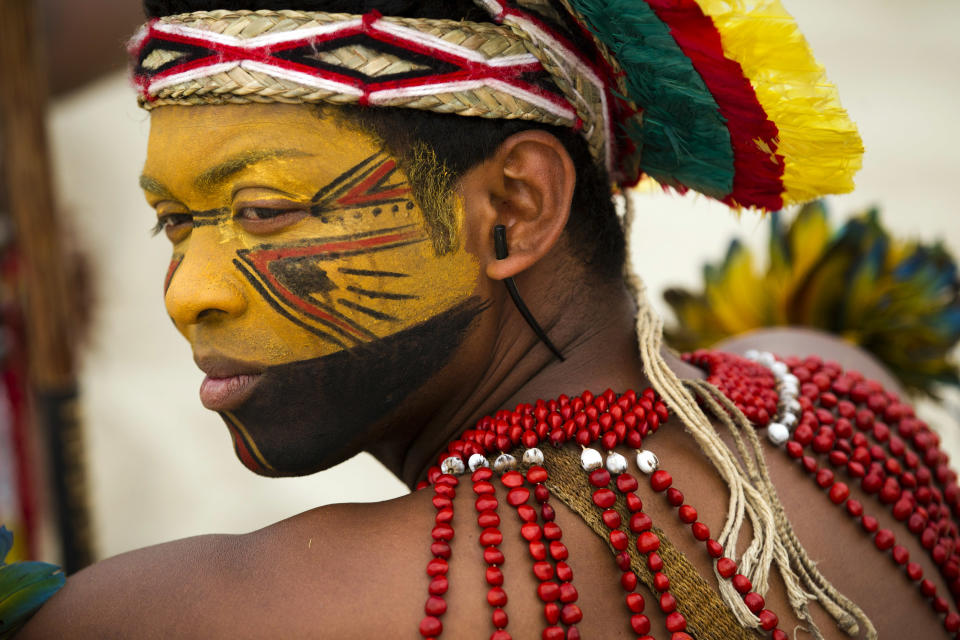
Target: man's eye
[
  {"x": 175, "y": 225},
  {"x": 260, "y": 213},
  {"x": 263, "y": 220}
]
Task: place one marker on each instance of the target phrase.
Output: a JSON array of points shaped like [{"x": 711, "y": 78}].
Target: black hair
[{"x": 459, "y": 143}]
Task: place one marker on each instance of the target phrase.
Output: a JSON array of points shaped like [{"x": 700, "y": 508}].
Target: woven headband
[{"x": 721, "y": 97}]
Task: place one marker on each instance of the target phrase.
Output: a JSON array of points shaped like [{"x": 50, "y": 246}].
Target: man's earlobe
[{"x": 500, "y": 248}]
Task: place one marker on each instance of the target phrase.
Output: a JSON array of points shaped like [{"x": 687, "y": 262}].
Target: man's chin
[
  {"x": 295, "y": 463},
  {"x": 310, "y": 415}
]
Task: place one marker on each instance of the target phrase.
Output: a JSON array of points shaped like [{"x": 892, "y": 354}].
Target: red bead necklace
[
  {"x": 859, "y": 429},
  {"x": 607, "y": 420},
  {"x": 547, "y": 552}
]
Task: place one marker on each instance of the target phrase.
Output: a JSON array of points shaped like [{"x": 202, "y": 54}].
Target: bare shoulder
[
  {"x": 329, "y": 572},
  {"x": 843, "y": 549}
]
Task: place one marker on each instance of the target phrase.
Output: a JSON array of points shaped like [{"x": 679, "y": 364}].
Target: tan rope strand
[
  {"x": 759, "y": 572},
  {"x": 841, "y": 608},
  {"x": 683, "y": 405},
  {"x": 650, "y": 353},
  {"x": 795, "y": 594},
  {"x": 833, "y": 595},
  {"x": 758, "y": 556}
]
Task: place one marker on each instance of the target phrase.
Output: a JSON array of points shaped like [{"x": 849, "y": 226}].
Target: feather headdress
[{"x": 722, "y": 97}]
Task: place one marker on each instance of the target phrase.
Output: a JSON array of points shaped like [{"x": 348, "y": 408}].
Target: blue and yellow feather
[{"x": 899, "y": 300}]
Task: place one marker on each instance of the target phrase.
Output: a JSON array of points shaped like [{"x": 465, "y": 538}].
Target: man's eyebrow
[
  {"x": 215, "y": 175},
  {"x": 153, "y": 185}
]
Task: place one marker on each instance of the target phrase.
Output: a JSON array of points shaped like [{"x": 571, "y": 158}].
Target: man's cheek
[
  {"x": 312, "y": 414},
  {"x": 328, "y": 287}
]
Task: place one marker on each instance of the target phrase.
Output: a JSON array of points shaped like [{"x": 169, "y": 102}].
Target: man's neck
[{"x": 599, "y": 349}]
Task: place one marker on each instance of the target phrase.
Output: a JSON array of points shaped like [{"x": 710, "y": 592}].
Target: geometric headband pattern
[{"x": 446, "y": 66}]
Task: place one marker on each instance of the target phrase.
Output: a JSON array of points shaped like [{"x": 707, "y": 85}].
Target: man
[{"x": 336, "y": 270}]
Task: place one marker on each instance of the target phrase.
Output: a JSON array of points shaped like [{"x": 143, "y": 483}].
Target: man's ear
[{"x": 527, "y": 186}]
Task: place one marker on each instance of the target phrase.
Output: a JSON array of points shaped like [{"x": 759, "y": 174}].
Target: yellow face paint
[
  {"x": 304, "y": 229},
  {"x": 303, "y": 275}
]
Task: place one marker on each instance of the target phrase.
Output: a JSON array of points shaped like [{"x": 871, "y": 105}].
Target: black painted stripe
[
  {"x": 373, "y": 313},
  {"x": 373, "y": 273},
  {"x": 383, "y": 295}
]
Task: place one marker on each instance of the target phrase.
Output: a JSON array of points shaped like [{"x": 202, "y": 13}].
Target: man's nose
[{"x": 205, "y": 285}]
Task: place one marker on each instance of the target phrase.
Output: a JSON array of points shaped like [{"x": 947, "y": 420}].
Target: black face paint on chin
[{"x": 307, "y": 416}]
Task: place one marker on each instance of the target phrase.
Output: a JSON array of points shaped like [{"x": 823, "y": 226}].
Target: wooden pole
[{"x": 47, "y": 300}]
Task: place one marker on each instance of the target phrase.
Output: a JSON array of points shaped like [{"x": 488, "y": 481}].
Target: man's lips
[
  {"x": 228, "y": 383},
  {"x": 225, "y": 394}
]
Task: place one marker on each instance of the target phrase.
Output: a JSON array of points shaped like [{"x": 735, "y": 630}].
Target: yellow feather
[
  {"x": 820, "y": 144},
  {"x": 732, "y": 292}
]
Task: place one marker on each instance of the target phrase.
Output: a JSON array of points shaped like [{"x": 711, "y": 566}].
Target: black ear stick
[{"x": 500, "y": 249}]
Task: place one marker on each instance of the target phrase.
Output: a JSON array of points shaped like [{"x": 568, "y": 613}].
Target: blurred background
[{"x": 158, "y": 466}]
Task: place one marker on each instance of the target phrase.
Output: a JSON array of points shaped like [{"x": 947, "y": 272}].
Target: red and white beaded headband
[{"x": 478, "y": 69}]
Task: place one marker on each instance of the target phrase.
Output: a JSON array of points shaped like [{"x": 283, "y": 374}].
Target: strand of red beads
[
  {"x": 883, "y": 539},
  {"x": 845, "y": 417},
  {"x": 662, "y": 481},
  {"x": 444, "y": 488},
  {"x": 490, "y": 538},
  {"x": 901, "y": 480},
  {"x": 605, "y": 499},
  {"x": 608, "y": 419},
  {"x": 833, "y": 403},
  {"x": 544, "y": 545},
  {"x": 570, "y": 613}
]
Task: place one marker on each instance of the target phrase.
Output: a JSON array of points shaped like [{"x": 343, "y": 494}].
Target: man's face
[{"x": 303, "y": 276}]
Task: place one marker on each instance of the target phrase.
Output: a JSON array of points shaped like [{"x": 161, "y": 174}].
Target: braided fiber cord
[
  {"x": 706, "y": 614},
  {"x": 841, "y": 608},
  {"x": 751, "y": 490}
]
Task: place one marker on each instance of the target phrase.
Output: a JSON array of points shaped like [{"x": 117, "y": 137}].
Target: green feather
[
  {"x": 24, "y": 587},
  {"x": 684, "y": 141}
]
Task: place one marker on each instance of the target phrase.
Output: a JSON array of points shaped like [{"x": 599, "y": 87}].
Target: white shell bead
[
  {"x": 533, "y": 456},
  {"x": 647, "y": 461},
  {"x": 751, "y": 354},
  {"x": 504, "y": 462},
  {"x": 616, "y": 463},
  {"x": 590, "y": 459},
  {"x": 453, "y": 465},
  {"x": 789, "y": 419},
  {"x": 793, "y": 406},
  {"x": 778, "y": 433},
  {"x": 779, "y": 369},
  {"x": 476, "y": 461}
]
